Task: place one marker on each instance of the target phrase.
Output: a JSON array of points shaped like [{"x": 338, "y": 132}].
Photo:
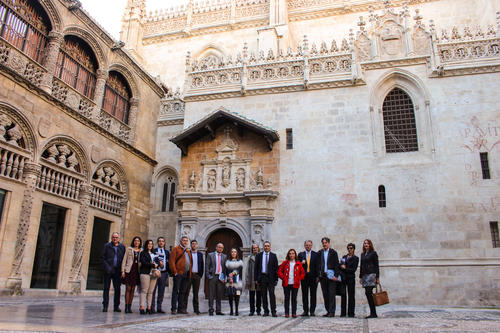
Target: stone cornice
[
  {"x": 170, "y": 122},
  {"x": 75, "y": 115}
]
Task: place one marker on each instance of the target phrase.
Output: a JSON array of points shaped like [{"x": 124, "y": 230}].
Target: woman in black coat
[
  {"x": 148, "y": 261},
  {"x": 348, "y": 266},
  {"x": 369, "y": 274}
]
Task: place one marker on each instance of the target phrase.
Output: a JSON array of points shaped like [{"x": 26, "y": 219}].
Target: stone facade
[
  {"x": 59, "y": 147},
  {"x": 252, "y": 57}
]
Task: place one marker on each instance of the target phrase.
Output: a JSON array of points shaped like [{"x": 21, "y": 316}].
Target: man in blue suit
[
  {"x": 266, "y": 277},
  {"x": 111, "y": 259}
]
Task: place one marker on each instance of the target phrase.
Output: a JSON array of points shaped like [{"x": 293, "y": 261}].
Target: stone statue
[
  {"x": 240, "y": 180},
  {"x": 226, "y": 175},
  {"x": 260, "y": 178},
  {"x": 192, "y": 179},
  {"x": 211, "y": 181}
]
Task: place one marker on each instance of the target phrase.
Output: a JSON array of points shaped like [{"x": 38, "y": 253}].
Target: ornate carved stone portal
[{"x": 228, "y": 167}]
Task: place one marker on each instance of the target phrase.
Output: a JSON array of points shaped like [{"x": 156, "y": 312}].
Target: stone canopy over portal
[{"x": 229, "y": 175}]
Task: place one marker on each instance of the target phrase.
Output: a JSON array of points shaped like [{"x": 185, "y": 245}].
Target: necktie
[
  {"x": 267, "y": 261},
  {"x": 218, "y": 263},
  {"x": 308, "y": 261}
]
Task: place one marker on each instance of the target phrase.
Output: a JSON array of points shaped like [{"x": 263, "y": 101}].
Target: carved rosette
[
  {"x": 76, "y": 264},
  {"x": 31, "y": 174}
]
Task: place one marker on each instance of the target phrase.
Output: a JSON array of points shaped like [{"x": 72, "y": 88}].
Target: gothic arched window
[
  {"x": 76, "y": 65},
  {"x": 400, "y": 128},
  {"x": 24, "y": 24},
  {"x": 168, "y": 194},
  {"x": 117, "y": 96}
]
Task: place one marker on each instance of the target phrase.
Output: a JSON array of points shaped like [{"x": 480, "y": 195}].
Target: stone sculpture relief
[{"x": 211, "y": 181}]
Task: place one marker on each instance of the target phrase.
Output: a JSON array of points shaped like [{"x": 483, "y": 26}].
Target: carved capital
[
  {"x": 32, "y": 169},
  {"x": 134, "y": 102},
  {"x": 102, "y": 74},
  {"x": 55, "y": 37},
  {"x": 85, "y": 190}
]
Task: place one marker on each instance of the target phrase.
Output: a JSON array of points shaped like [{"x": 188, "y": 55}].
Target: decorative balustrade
[
  {"x": 114, "y": 126},
  {"x": 59, "y": 181},
  {"x": 105, "y": 198},
  {"x": 12, "y": 160},
  {"x": 20, "y": 63}
]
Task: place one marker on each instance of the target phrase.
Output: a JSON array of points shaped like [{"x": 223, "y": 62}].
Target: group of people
[{"x": 149, "y": 267}]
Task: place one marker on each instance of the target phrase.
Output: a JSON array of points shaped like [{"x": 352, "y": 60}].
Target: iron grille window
[
  {"x": 400, "y": 128},
  {"x": 381, "y": 197},
  {"x": 76, "y": 66},
  {"x": 289, "y": 138},
  {"x": 116, "y": 97},
  {"x": 168, "y": 197},
  {"x": 25, "y": 26},
  {"x": 3, "y": 194},
  {"x": 495, "y": 238},
  {"x": 485, "y": 165}
]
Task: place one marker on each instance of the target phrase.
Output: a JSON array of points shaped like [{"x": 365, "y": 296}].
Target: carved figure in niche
[
  {"x": 186, "y": 231},
  {"x": 114, "y": 181},
  {"x": 223, "y": 206},
  {"x": 258, "y": 234},
  {"x": 260, "y": 178},
  {"x": 226, "y": 174},
  {"x": 108, "y": 173},
  {"x": 72, "y": 162},
  {"x": 391, "y": 39},
  {"x": 269, "y": 182},
  {"x": 4, "y": 122},
  {"x": 14, "y": 136},
  {"x": 211, "y": 180},
  {"x": 192, "y": 180},
  {"x": 64, "y": 151},
  {"x": 185, "y": 187},
  {"x": 240, "y": 179}
]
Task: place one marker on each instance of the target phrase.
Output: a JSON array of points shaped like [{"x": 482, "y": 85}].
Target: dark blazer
[
  {"x": 314, "y": 262},
  {"x": 108, "y": 256},
  {"x": 369, "y": 264},
  {"x": 211, "y": 265},
  {"x": 146, "y": 262},
  {"x": 201, "y": 265},
  {"x": 167, "y": 256},
  {"x": 332, "y": 261},
  {"x": 351, "y": 265},
  {"x": 272, "y": 268}
]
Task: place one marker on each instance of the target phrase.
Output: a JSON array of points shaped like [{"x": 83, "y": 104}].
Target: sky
[{"x": 109, "y": 12}]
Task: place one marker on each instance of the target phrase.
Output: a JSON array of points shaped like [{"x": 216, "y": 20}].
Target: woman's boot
[
  {"x": 236, "y": 303},
  {"x": 231, "y": 305}
]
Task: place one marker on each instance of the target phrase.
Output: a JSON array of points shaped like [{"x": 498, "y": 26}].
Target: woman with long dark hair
[
  {"x": 234, "y": 285},
  {"x": 369, "y": 274},
  {"x": 291, "y": 272},
  {"x": 130, "y": 271},
  {"x": 148, "y": 280}
]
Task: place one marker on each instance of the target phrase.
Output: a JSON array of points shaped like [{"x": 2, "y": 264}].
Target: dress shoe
[
  {"x": 173, "y": 312},
  {"x": 219, "y": 313},
  {"x": 148, "y": 311},
  {"x": 161, "y": 311},
  {"x": 210, "y": 313},
  {"x": 294, "y": 316},
  {"x": 342, "y": 315},
  {"x": 351, "y": 316},
  {"x": 117, "y": 310},
  {"x": 287, "y": 316},
  {"x": 326, "y": 315},
  {"x": 141, "y": 311},
  {"x": 371, "y": 316},
  {"x": 312, "y": 315},
  {"x": 331, "y": 315},
  {"x": 104, "y": 309},
  {"x": 182, "y": 312},
  {"x": 197, "y": 312},
  {"x": 250, "y": 314},
  {"x": 274, "y": 315},
  {"x": 265, "y": 315},
  {"x": 304, "y": 314},
  {"x": 258, "y": 313}
]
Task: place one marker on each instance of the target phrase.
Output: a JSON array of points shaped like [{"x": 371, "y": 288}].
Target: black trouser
[
  {"x": 371, "y": 302},
  {"x": 309, "y": 285},
  {"x": 116, "y": 277},
  {"x": 267, "y": 286},
  {"x": 255, "y": 294},
  {"x": 195, "y": 283},
  {"x": 329, "y": 288},
  {"x": 179, "y": 291},
  {"x": 348, "y": 287},
  {"x": 293, "y": 291},
  {"x": 161, "y": 283},
  {"x": 215, "y": 290}
]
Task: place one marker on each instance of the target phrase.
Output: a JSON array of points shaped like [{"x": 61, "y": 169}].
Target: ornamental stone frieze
[
  {"x": 229, "y": 169},
  {"x": 171, "y": 109}
]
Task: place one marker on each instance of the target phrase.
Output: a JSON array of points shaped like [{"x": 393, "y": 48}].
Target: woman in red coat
[{"x": 291, "y": 281}]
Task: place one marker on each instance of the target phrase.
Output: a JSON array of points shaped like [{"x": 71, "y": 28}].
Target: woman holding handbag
[
  {"x": 234, "y": 285},
  {"x": 369, "y": 274},
  {"x": 130, "y": 271},
  {"x": 291, "y": 272},
  {"x": 149, "y": 274}
]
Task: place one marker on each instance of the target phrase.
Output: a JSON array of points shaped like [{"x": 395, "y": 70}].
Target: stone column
[
  {"x": 132, "y": 118},
  {"x": 79, "y": 243},
  {"x": 52, "y": 52},
  {"x": 102, "y": 76},
  {"x": 31, "y": 174}
]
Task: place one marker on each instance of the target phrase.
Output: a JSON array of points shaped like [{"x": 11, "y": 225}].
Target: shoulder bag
[{"x": 380, "y": 297}]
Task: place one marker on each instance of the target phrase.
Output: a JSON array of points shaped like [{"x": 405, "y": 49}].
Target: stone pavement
[{"x": 83, "y": 314}]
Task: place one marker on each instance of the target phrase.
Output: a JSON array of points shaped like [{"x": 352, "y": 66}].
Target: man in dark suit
[
  {"x": 266, "y": 277},
  {"x": 329, "y": 260},
  {"x": 111, "y": 258},
  {"x": 214, "y": 268},
  {"x": 162, "y": 282},
  {"x": 310, "y": 262},
  {"x": 196, "y": 275}
]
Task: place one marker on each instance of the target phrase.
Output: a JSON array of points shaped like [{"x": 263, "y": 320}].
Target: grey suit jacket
[{"x": 211, "y": 264}]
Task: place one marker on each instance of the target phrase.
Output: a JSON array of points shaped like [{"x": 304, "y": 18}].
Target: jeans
[
  {"x": 293, "y": 291},
  {"x": 116, "y": 277}
]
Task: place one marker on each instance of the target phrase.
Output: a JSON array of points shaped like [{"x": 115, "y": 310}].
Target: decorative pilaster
[
  {"x": 31, "y": 174},
  {"x": 132, "y": 118},
  {"x": 81, "y": 231},
  {"x": 102, "y": 76},
  {"x": 55, "y": 41}
]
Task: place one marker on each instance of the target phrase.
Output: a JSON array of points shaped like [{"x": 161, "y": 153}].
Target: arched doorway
[{"x": 227, "y": 237}]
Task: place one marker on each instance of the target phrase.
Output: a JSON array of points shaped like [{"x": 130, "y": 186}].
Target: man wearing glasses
[{"x": 111, "y": 258}]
